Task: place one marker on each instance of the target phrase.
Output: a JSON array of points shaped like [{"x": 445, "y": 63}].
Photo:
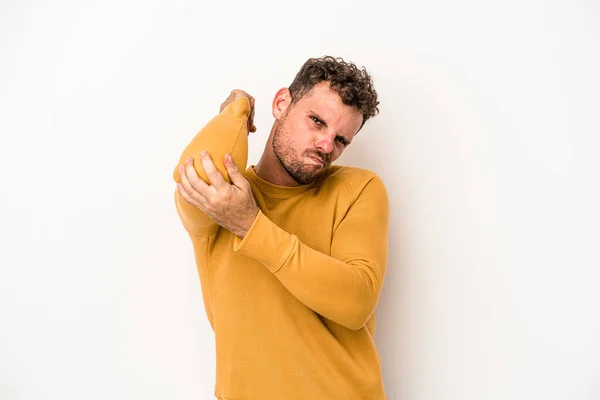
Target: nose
[{"x": 325, "y": 144}]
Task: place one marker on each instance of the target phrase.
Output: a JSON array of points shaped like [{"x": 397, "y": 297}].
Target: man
[{"x": 291, "y": 253}]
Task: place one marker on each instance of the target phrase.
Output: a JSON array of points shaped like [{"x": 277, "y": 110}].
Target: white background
[{"x": 487, "y": 141}]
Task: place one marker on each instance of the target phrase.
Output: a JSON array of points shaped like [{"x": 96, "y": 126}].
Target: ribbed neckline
[{"x": 276, "y": 191}]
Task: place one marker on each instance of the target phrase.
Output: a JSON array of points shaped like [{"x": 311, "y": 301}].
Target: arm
[
  {"x": 226, "y": 133},
  {"x": 345, "y": 286}
]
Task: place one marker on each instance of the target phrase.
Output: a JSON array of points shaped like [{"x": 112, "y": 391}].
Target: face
[{"x": 313, "y": 132}]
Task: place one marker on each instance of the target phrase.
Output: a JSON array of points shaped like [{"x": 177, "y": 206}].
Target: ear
[{"x": 281, "y": 102}]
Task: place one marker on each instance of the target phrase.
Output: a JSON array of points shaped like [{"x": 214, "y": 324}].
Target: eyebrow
[{"x": 318, "y": 117}]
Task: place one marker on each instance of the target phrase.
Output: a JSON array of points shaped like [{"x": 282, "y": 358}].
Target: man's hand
[
  {"x": 231, "y": 206},
  {"x": 233, "y": 96}
]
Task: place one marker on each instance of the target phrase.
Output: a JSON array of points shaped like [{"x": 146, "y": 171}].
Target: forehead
[{"x": 329, "y": 106}]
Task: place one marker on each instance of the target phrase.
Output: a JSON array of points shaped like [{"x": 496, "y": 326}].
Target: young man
[{"x": 292, "y": 252}]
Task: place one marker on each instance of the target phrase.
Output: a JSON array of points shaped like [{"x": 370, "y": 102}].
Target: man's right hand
[{"x": 233, "y": 96}]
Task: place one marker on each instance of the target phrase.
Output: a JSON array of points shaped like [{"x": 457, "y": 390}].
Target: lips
[{"x": 318, "y": 160}]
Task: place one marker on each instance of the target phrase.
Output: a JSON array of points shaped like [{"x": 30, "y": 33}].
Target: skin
[{"x": 317, "y": 126}]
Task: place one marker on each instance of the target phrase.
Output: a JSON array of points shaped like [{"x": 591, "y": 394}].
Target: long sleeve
[
  {"x": 225, "y": 133},
  {"x": 344, "y": 286}
]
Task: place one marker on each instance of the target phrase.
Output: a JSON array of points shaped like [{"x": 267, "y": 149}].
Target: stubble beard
[{"x": 300, "y": 172}]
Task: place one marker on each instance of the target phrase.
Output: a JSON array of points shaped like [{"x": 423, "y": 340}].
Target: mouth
[{"x": 317, "y": 160}]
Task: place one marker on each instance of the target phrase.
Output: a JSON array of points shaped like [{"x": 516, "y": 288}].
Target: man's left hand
[{"x": 230, "y": 205}]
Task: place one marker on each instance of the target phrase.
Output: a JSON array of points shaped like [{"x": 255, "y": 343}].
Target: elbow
[
  {"x": 359, "y": 317},
  {"x": 195, "y": 222},
  {"x": 360, "y": 311}
]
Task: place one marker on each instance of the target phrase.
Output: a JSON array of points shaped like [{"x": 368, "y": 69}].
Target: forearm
[{"x": 345, "y": 291}]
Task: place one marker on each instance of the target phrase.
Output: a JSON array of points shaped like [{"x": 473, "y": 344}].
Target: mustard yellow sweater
[{"x": 292, "y": 304}]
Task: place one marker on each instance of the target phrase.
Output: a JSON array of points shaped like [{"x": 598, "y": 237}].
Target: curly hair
[{"x": 353, "y": 85}]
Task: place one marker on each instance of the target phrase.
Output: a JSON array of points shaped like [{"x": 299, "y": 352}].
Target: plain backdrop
[{"x": 487, "y": 141}]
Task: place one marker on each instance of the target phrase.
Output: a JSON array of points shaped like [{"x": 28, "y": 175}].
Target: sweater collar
[{"x": 276, "y": 191}]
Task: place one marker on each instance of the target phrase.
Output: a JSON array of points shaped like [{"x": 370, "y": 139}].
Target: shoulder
[{"x": 355, "y": 180}]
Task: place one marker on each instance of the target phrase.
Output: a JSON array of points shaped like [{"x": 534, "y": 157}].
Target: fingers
[
  {"x": 240, "y": 93},
  {"x": 235, "y": 175},
  {"x": 187, "y": 189},
  {"x": 186, "y": 196},
  {"x": 251, "y": 126},
  {"x": 233, "y": 96},
  {"x": 213, "y": 174}
]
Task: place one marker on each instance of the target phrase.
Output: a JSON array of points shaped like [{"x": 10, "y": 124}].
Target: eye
[
  {"x": 341, "y": 140},
  {"x": 316, "y": 120}
]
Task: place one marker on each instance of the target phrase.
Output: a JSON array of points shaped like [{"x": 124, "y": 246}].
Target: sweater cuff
[
  {"x": 238, "y": 109},
  {"x": 267, "y": 243}
]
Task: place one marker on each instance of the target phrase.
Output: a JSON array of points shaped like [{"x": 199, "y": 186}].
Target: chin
[{"x": 313, "y": 173}]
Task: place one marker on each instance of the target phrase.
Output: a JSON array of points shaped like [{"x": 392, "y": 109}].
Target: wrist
[{"x": 247, "y": 224}]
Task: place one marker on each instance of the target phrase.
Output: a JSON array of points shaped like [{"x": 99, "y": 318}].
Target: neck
[{"x": 269, "y": 167}]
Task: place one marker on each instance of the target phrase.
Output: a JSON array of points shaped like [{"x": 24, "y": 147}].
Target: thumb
[{"x": 234, "y": 172}]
